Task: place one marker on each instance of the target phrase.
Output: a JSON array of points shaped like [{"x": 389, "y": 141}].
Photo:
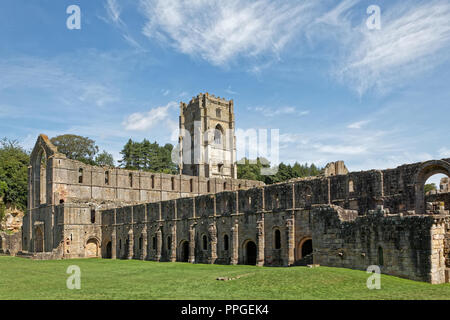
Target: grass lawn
[{"x": 120, "y": 279}]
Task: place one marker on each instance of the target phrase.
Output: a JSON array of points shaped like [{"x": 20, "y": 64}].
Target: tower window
[
  {"x": 218, "y": 132},
  {"x": 218, "y": 113},
  {"x": 220, "y": 167},
  {"x": 92, "y": 216},
  {"x": 80, "y": 175}
]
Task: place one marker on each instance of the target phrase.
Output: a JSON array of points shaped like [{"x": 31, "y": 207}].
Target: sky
[{"x": 334, "y": 86}]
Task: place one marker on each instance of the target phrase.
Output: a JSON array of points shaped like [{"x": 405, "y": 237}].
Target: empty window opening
[
  {"x": 130, "y": 179},
  {"x": 277, "y": 239},
  {"x": 92, "y": 216},
  {"x": 225, "y": 242},
  {"x": 205, "y": 243},
  {"x": 80, "y": 175},
  {"x": 351, "y": 187},
  {"x": 380, "y": 256}
]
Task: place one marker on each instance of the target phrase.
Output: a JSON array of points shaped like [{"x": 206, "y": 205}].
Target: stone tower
[{"x": 207, "y": 137}]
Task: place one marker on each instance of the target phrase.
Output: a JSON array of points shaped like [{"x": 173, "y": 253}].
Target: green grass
[{"x": 119, "y": 279}]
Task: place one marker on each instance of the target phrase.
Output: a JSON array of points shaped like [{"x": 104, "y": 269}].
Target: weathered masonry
[{"x": 340, "y": 218}]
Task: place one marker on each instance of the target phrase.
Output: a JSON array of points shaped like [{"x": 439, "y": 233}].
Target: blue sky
[{"x": 335, "y": 89}]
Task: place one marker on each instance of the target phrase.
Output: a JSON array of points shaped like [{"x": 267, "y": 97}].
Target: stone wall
[
  {"x": 10, "y": 243},
  {"x": 406, "y": 246}
]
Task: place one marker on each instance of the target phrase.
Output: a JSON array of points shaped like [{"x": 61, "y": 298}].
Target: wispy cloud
[
  {"x": 444, "y": 152},
  {"x": 114, "y": 11},
  {"x": 50, "y": 77},
  {"x": 273, "y": 112},
  {"x": 358, "y": 124},
  {"x": 413, "y": 38},
  {"x": 218, "y": 31},
  {"x": 142, "y": 121}
]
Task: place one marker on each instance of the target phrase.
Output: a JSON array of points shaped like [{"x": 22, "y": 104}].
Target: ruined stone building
[{"x": 206, "y": 215}]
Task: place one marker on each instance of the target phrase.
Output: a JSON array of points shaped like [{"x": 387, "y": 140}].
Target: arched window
[
  {"x": 225, "y": 242},
  {"x": 277, "y": 239},
  {"x": 205, "y": 243},
  {"x": 351, "y": 187},
  {"x": 92, "y": 216},
  {"x": 80, "y": 175},
  {"x": 154, "y": 243},
  {"x": 218, "y": 133},
  {"x": 107, "y": 177},
  {"x": 169, "y": 243},
  {"x": 224, "y": 186},
  {"x": 380, "y": 256}
]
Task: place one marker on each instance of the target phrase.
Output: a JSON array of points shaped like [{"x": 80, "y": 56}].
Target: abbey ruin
[{"x": 206, "y": 215}]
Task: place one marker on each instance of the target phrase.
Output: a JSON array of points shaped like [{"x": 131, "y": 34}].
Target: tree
[
  {"x": 13, "y": 175},
  {"x": 76, "y": 147},
  {"x": 148, "y": 156},
  {"x": 104, "y": 159},
  {"x": 252, "y": 170},
  {"x": 430, "y": 187}
]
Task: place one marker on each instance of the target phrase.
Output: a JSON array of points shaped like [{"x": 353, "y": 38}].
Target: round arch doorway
[
  {"x": 304, "y": 248},
  {"x": 250, "y": 253}
]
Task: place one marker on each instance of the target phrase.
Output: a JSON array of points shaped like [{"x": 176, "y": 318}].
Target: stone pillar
[
  {"x": 235, "y": 243},
  {"x": 173, "y": 244},
  {"x": 192, "y": 244},
  {"x": 261, "y": 242},
  {"x": 158, "y": 244},
  {"x": 290, "y": 239},
  {"x": 130, "y": 244},
  {"x": 213, "y": 240},
  {"x": 144, "y": 244},
  {"x": 114, "y": 243}
]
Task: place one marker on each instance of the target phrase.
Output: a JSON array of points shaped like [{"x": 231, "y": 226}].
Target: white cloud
[
  {"x": 218, "y": 30},
  {"x": 413, "y": 39},
  {"x": 49, "y": 76},
  {"x": 444, "y": 152},
  {"x": 358, "y": 125},
  {"x": 113, "y": 10},
  {"x": 141, "y": 121}
]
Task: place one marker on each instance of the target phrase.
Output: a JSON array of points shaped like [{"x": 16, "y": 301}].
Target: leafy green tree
[
  {"x": 252, "y": 170},
  {"x": 14, "y": 161},
  {"x": 430, "y": 187},
  {"x": 76, "y": 147},
  {"x": 104, "y": 159},
  {"x": 148, "y": 156}
]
